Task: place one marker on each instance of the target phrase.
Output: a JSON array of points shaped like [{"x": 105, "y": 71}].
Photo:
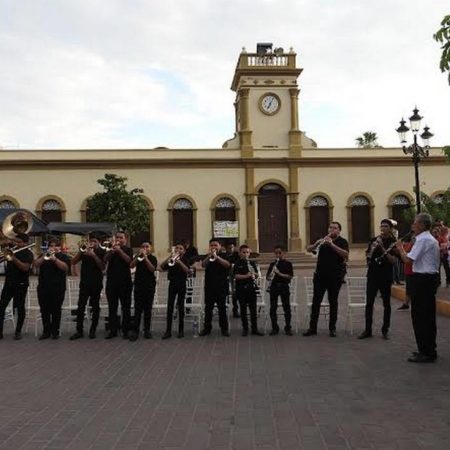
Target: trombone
[{"x": 8, "y": 253}]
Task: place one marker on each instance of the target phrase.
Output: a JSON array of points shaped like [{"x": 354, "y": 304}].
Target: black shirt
[
  {"x": 285, "y": 267},
  {"x": 118, "y": 271},
  {"x": 13, "y": 275},
  {"x": 176, "y": 273},
  {"x": 329, "y": 263},
  {"x": 144, "y": 277},
  {"x": 242, "y": 268},
  {"x": 191, "y": 254},
  {"x": 382, "y": 268},
  {"x": 51, "y": 274},
  {"x": 216, "y": 275},
  {"x": 90, "y": 272}
]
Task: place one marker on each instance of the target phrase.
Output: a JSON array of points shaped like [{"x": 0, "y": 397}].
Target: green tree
[
  {"x": 127, "y": 209},
  {"x": 367, "y": 140},
  {"x": 438, "y": 207},
  {"x": 443, "y": 37}
]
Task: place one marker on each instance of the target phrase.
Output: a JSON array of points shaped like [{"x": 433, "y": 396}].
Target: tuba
[{"x": 19, "y": 222}]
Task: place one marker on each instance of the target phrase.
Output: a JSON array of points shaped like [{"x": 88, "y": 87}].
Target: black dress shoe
[
  {"x": 55, "y": 336},
  {"x": 332, "y": 333},
  {"x": 244, "y": 333},
  {"x": 204, "y": 333},
  {"x": 385, "y": 335},
  {"x": 257, "y": 333},
  {"x": 310, "y": 332},
  {"x": 288, "y": 332},
  {"x": 91, "y": 334},
  {"x": 273, "y": 332},
  {"x": 180, "y": 334},
  {"x": 44, "y": 336},
  {"x": 226, "y": 333},
  {"x": 422, "y": 358},
  {"x": 1, "y": 335},
  {"x": 111, "y": 335},
  {"x": 17, "y": 336},
  {"x": 133, "y": 336},
  {"x": 365, "y": 335},
  {"x": 166, "y": 335},
  {"x": 125, "y": 335},
  {"x": 75, "y": 336},
  {"x": 147, "y": 335}
]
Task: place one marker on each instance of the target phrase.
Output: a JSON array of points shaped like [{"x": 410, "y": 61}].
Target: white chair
[
  {"x": 160, "y": 300},
  {"x": 356, "y": 295},
  {"x": 9, "y": 311},
  {"x": 70, "y": 305},
  {"x": 33, "y": 312},
  {"x": 324, "y": 306},
  {"x": 195, "y": 292}
]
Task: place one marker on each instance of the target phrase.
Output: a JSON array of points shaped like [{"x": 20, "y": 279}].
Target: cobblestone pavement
[{"x": 226, "y": 393}]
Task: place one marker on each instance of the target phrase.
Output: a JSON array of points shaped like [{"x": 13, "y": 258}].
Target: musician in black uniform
[
  {"x": 16, "y": 283},
  {"x": 91, "y": 284},
  {"x": 279, "y": 276},
  {"x": 245, "y": 273},
  {"x": 144, "y": 289},
  {"x": 233, "y": 255},
  {"x": 217, "y": 269},
  {"x": 118, "y": 284},
  {"x": 380, "y": 261},
  {"x": 177, "y": 266},
  {"x": 53, "y": 268},
  {"x": 332, "y": 254}
]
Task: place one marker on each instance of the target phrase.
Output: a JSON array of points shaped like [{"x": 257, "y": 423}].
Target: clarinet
[
  {"x": 379, "y": 259},
  {"x": 251, "y": 270},
  {"x": 271, "y": 275}
]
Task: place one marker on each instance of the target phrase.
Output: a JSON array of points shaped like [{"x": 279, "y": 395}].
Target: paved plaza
[{"x": 226, "y": 393}]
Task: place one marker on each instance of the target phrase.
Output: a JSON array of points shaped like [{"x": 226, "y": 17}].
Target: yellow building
[{"x": 269, "y": 178}]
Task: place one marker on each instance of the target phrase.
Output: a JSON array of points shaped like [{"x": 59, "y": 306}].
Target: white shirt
[{"x": 425, "y": 254}]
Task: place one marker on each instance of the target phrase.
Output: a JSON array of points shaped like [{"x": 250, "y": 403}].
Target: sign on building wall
[{"x": 226, "y": 229}]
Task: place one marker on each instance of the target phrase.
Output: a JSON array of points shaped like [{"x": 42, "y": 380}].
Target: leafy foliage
[
  {"x": 443, "y": 37},
  {"x": 127, "y": 209},
  {"x": 439, "y": 207},
  {"x": 446, "y": 151},
  {"x": 367, "y": 140}
]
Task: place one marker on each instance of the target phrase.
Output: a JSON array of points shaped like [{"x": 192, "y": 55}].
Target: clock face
[{"x": 270, "y": 104}]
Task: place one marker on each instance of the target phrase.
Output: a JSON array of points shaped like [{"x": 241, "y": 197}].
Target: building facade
[{"x": 269, "y": 184}]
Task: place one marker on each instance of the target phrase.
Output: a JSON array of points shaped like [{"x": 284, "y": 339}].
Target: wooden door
[
  {"x": 183, "y": 225},
  {"x": 272, "y": 217},
  {"x": 319, "y": 220}
]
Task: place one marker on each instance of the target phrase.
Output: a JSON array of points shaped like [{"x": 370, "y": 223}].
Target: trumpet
[
  {"x": 213, "y": 256},
  {"x": 84, "y": 247},
  {"x": 140, "y": 256},
  {"x": 107, "y": 245},
  {"x": 173, "y": 260},
  {"x": 49, "y": 254},
  {"x": 8, "y": 253}
]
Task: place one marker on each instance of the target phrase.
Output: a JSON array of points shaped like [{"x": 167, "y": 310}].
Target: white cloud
[{"x": 109, "y": 73}]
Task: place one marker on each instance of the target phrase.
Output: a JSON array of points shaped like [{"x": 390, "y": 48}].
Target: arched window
[
  {"x": 183, "y": 220},
  {"x": 7, "y": 204},
  {"x": 319, "y": 218},
  {"x": 438, "y": 198},
  {"x": 399, "y": 205},
  {"x": 360, "y": 220},
  {"x": 51, "y": 211},
  {"x": 225, "y": 209}
]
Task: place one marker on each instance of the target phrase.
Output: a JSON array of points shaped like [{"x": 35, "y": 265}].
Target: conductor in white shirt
[{"x": 425, "y": 259}]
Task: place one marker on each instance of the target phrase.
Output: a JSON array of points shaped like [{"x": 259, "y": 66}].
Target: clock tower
[{"x": 266, "y": 106}]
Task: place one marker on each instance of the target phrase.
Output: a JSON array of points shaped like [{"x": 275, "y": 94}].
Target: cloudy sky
[{"x": 147, "y": 73}]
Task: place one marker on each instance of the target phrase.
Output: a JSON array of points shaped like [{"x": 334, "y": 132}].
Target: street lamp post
[{"x": 417, "y": 152}]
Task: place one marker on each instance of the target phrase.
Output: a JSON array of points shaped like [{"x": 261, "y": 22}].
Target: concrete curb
[{"x": 442, "y": 306}]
